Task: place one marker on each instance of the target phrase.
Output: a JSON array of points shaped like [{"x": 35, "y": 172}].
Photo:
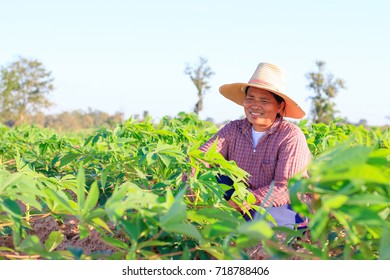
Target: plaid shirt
[{"x": 280, "y": 153}]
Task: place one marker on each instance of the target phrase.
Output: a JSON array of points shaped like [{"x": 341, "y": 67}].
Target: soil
[
  {"x": 43, "y": 226},
  {"x": 93, "y": 243},
  {"x": 69, "y": 228}
]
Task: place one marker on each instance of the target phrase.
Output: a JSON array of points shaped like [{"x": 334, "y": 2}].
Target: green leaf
[
  {"x": 67, "y": 159},
  {"x": 130, "y": 196},
  {"x": 186, "y": 253},
  {"x": 379, "y": 157},
  {"x": 256, "y": 230},
  {"x": 170, "y": 199},
  {"x": 177, "y": 211},
  {"x": 151, "y": 158},
  {"x": 31, "y": 245},
  {"x": 114, "y": 242},
  {"x": 95, "y": 139},
  {"x": 215, "y": 251},
  {"x": 219, "y": 229},
  {"x": 87, "y": 140},
  {"x": 341, "y": 157},
  {"x": 81, "y": 187},
  {"x": 318, "y": 223},
  {"x": 185, "y": 229},
  {"x": 55, "y": 238},
  {"x": 165, "y": 159},
  {"x": 368, "y": 199},
  {"x": 384, "y": 248},
  {"x": 99, "y": 222},
  {"x": 315, "y": 250},
  {"x": 132, "y": 229},
  {"x": 9, "y": 180},
  {"x": 83, "y": 230},
  {"x": 362, "y": 215},
  {"x": 59, "y": 202},
  {"x": 92, "y": 198},
  {"x": 55, "y": 160},
  {"x": 103, "y": 179},
  {"x": 153, "y": 244},
  {"x": 11, "y": 207},
  {"x": 365, "y": 172},
  {"x": 335, "y": 201},
  {"x": 211, "y": 215},
  {"x": 148, "y": 255},
  {"x": 76, "y": 252}
]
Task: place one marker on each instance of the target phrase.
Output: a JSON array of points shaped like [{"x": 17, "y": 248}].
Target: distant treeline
[{"x": 75, "y": 120}]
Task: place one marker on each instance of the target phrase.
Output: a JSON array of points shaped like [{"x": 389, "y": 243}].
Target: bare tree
[{"x": 200, "y": 75}]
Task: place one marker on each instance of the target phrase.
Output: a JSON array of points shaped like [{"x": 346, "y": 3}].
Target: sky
[{"x": 129, "y": 56}]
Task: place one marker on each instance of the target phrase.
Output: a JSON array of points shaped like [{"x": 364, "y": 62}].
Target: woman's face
[{"x": 261, "y": 108}]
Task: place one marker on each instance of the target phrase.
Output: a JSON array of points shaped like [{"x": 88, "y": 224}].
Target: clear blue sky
[{"x": 129, "y": 56}]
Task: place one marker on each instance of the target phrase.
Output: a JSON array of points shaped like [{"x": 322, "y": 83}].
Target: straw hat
[{"x": 269, "y": 77}]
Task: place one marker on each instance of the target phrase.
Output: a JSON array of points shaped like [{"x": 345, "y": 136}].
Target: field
[{"x": 125, "y": 194}]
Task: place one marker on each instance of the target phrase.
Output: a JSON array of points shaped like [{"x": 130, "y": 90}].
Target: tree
[
  {"x": 200, "y": 75},
  {"x": 326, "y": 87},
  {"x": 362, "y": 122},
  {"x": 24, "y": 86}
]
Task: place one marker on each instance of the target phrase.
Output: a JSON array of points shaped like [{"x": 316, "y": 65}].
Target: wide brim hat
[{"x": 269, "y": 77}]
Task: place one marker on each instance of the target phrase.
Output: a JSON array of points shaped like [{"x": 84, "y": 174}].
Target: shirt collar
[{"x": 247, "y": 126}]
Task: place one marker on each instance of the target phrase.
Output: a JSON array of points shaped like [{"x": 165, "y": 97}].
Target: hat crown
[{"x": 269, "y": 75}]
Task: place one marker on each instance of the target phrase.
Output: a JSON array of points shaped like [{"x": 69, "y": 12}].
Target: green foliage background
[{"x": 132, "y": 185}]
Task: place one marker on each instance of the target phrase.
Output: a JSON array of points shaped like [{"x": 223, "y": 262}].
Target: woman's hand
[{"x": 240, "y": 208}]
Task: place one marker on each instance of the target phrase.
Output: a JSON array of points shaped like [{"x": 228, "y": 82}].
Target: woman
[{"x": 267, "y": 146}]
